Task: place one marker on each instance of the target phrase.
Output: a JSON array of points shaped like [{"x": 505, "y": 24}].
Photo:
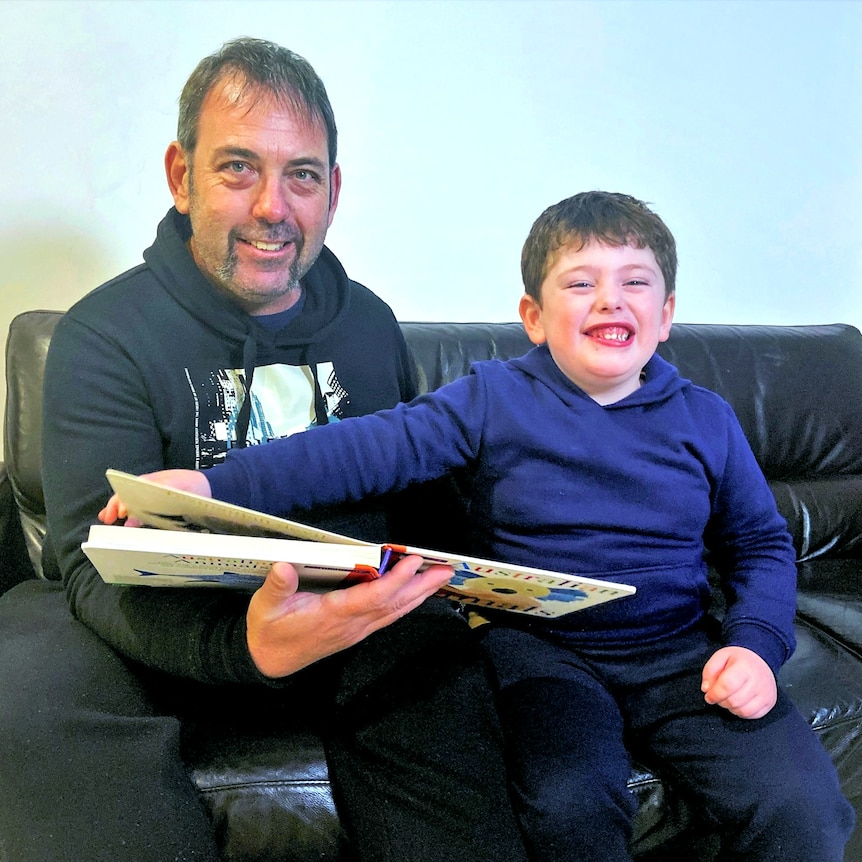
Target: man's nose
[{"x": 272, "y": 203}]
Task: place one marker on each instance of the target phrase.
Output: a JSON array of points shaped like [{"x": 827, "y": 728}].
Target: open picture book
[{"x": 189, "y": 540}]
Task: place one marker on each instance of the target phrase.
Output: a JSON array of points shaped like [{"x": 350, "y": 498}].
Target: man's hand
[
  {"x": 182, "y": 480},
  {"x": 740, "y": 681},
  {"x": 288, "y": 630}
]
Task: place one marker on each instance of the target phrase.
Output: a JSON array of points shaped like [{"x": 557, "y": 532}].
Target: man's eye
[{"x": 236, "y": 168}]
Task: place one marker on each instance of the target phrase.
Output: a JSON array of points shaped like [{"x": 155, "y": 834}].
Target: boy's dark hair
[
  {"x": 256, "y": 64},
  {"x": 607, "y": 217}
]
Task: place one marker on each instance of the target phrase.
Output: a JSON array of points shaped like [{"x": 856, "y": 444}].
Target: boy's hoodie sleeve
[
  {"x": 754, "y": 554},
  {"x": 357, "y": 458}
]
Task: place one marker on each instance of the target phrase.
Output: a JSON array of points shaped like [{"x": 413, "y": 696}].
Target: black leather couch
[{"x": 798, "y": 393}]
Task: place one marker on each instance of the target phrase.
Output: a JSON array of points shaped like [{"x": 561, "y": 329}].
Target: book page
[
  {"x": 505, "y": 587},
  {"x": 170, "y": 509}
]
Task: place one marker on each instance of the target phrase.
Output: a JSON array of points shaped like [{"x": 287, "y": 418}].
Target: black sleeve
[{"x": 98, "y": 414}]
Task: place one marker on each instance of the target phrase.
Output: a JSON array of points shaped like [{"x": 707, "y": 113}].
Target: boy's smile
[{"x": 603, "y": 313}]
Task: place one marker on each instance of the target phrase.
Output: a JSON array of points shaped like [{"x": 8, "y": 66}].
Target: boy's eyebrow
[
  {"x": 591, "y": 268},
  {"x": 638, "y": 266}
]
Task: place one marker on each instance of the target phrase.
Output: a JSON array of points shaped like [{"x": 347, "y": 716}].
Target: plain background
[{"x": 459, "y": 122}]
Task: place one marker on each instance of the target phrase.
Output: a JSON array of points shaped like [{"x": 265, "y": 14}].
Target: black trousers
[
  {"x": 91, "y": 747},
  {"x": 572, "y": 716}
]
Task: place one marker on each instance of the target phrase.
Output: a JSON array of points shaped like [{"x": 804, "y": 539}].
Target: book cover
[
  {"x": 223, "y": 552},
  {"x": 176, "y": 558}
]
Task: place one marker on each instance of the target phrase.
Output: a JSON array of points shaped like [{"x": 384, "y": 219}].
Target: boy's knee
[
  {"x": 818, "y": 824},
  {"x": 578, "y": 815},
  {"x": 804, "y": 821}
]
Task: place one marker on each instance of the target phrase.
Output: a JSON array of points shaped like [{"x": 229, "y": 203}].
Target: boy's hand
[
  {"x": 740, "y": 681},
  {"x": 287, "y": 630},
  {"x": 182, "y": 480}
]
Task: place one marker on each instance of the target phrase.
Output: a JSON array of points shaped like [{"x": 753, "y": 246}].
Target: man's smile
[{"x": 266, "y": 246}]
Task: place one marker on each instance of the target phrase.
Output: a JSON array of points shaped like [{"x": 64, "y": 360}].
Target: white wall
[{"x": 459, "y": 121}]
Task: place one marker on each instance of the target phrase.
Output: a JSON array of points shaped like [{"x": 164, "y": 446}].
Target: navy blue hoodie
[{"x": 634, "y": 492}]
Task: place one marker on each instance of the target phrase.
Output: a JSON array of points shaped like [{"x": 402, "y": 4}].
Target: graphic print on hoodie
[{"x": 285, "y": 399}]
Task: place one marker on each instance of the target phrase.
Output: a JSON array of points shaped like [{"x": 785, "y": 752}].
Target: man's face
[
  {"x": 260, "y": 195},
  {"x": 603, "y": 313}
]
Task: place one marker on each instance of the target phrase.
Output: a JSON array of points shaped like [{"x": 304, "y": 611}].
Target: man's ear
[
  {"x": 177, "y": 168},
  {"x": 531, "y": 315},
  {"x": 334, "y": 191}
]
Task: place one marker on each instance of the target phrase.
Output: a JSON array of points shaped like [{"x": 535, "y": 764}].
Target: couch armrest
[{"x": 15, "y": 565}]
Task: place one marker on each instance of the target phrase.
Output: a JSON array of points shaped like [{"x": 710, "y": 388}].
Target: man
[{"x": 240, "y": 327}]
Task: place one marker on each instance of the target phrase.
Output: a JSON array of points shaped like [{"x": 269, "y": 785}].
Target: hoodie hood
[
  {"x": 326, "y": 286},
  {"x": 327, "y": 300},
  {"x": 660, "y": 380}
]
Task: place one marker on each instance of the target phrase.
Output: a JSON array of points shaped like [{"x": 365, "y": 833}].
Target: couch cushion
[{"x": 824, "y": 515}]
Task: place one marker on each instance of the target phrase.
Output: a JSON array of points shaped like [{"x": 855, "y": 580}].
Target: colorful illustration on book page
[{"x": 526, "y": 595}]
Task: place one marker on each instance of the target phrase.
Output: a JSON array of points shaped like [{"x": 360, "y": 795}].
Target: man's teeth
[{"x": 267, "y": 246}]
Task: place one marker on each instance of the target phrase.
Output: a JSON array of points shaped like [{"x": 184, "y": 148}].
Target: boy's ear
[
  {"x": 667, "y": 317},
  {"x": 177, "y": 168},
  {"x": 531, "y": 315}
]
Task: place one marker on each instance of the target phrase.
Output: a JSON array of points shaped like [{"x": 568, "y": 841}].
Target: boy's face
[{"x": 602, "y": 315}]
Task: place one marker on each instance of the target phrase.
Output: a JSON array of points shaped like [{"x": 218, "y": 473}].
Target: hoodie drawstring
[
  {"x": 321, "y": 417},
  {"x": 249, "y": 360}
]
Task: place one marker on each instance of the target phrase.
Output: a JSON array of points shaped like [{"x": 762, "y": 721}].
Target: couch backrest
[
  {"x": 26, "y": 349},
  {"x": 796, "y": 389}
]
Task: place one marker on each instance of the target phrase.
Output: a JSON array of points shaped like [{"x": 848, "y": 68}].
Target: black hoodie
[{"x": 149, "y": 371}]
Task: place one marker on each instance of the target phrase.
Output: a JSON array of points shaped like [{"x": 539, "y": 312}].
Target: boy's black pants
[{"x": 571, "y": 717}]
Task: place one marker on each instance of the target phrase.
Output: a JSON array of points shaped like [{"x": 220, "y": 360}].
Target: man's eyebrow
[
  {"x": 234, "y": 152},
  {"x": 251, "y": 155}
]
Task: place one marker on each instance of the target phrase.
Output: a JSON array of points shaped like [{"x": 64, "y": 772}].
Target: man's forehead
[{"x": 235, "y": 97}]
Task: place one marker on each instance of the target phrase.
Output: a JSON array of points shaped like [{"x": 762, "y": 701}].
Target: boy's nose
[{"x": 609, "y": 296}]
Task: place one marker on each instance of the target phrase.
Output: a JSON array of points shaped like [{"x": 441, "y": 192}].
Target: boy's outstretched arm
[{"x": 740, "y": 681}]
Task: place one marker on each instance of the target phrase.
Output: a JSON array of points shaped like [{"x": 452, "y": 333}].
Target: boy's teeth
[{"x": 614, "y": 334}]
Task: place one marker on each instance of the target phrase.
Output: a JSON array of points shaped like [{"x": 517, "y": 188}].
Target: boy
[{"x": 592, "y": 455}]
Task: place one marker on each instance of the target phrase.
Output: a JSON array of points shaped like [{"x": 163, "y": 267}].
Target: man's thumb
[{"x": 281, "y": 580}]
